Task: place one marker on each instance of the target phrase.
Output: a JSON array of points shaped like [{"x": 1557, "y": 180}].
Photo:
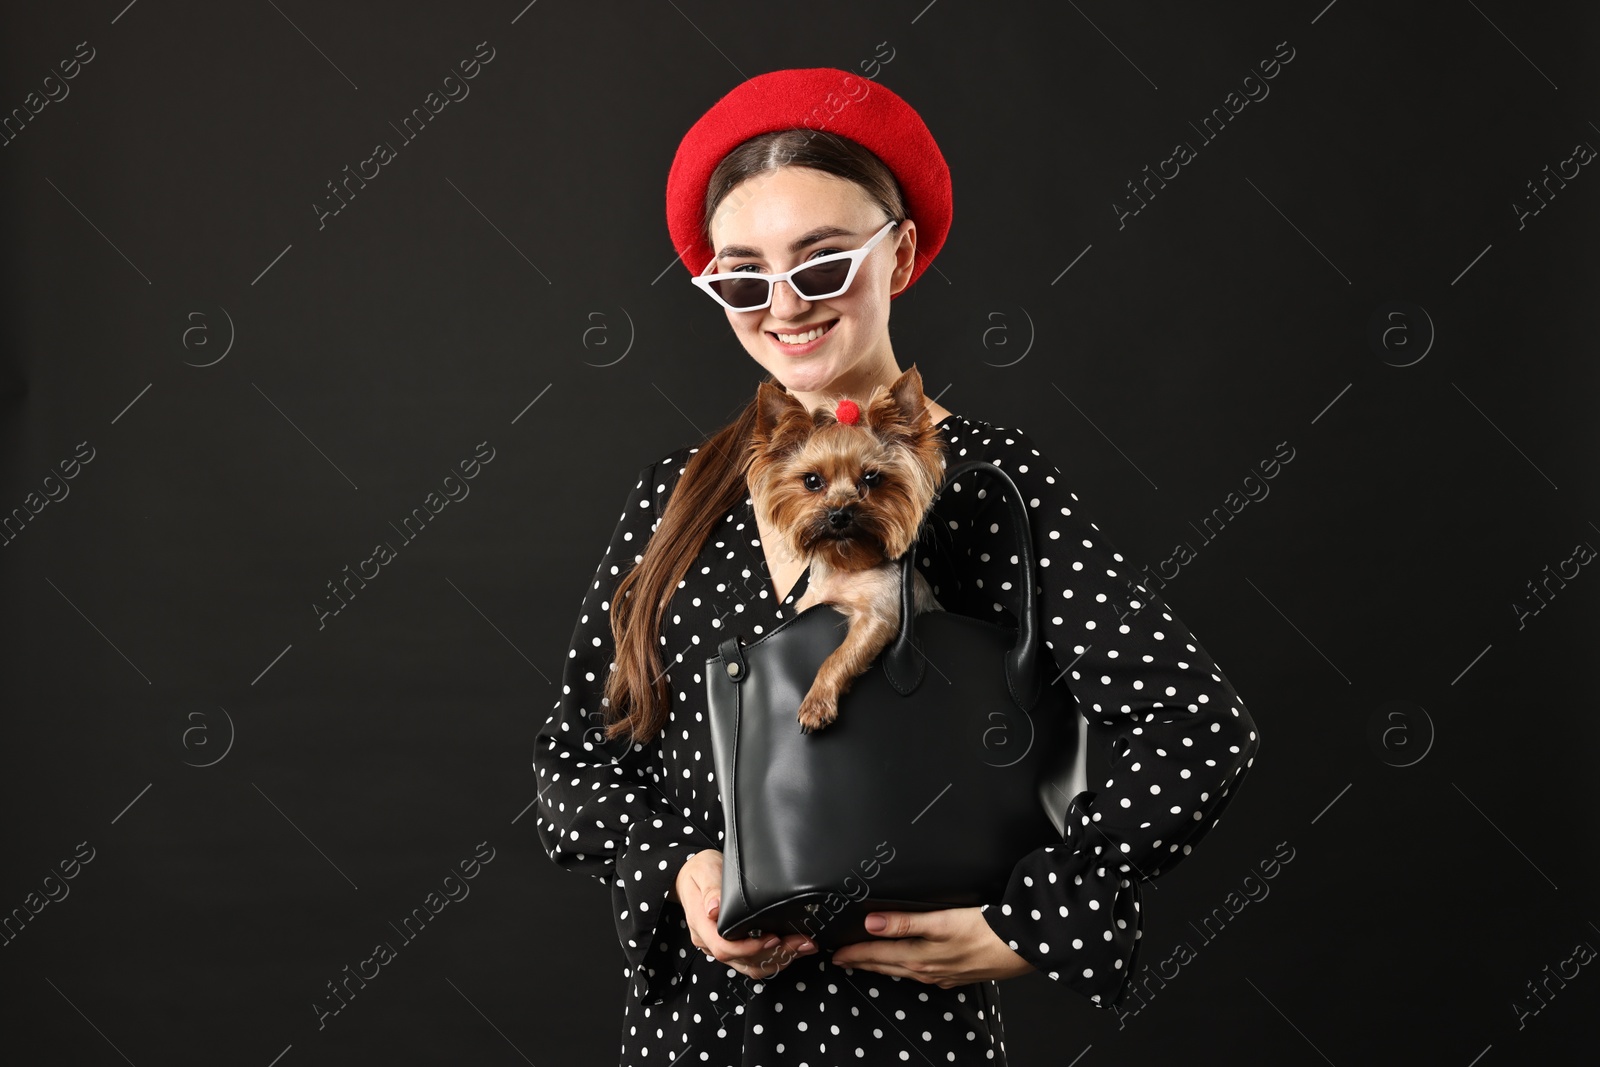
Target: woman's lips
[{"x": 809, "y": 346}]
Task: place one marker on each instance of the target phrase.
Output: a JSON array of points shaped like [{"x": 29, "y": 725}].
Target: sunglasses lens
[
  {"x": 827, "y": 278},
  {"x": 822, "y": 280},
  {"x": 742, "y": 292}
]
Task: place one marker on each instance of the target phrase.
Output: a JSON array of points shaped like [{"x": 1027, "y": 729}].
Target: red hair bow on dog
[{"x": 847, "y": 412}]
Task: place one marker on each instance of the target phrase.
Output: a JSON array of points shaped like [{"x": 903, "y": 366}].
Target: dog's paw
[{"x": 816, "y": 712}]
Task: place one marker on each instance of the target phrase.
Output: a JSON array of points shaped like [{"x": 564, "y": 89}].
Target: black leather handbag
[{"x": 951, "y": 758}]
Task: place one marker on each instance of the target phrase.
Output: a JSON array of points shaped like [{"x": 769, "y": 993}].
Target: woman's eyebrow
[{"x": 808, "y": 238}]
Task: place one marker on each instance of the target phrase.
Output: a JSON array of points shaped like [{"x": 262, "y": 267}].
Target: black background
[{"x": 508, "y": 278}]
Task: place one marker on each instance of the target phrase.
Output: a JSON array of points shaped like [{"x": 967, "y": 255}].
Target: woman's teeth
[{"x": 802, "y": 338}]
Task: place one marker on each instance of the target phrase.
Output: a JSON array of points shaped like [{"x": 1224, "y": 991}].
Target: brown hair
[{"x": 714, "y": 478}]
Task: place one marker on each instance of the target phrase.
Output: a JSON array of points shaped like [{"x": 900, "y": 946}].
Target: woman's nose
[{"x": 786, "y": 303}]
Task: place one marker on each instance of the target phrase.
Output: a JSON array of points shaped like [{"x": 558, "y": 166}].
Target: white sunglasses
[{"x": 815, "y": 279}]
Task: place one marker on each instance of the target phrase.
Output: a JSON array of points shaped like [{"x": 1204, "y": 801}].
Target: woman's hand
[
  {"x": 699, "y": 890},
  {"x": 946, "y": 948}
]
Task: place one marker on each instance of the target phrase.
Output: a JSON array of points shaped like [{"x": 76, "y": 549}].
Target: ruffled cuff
[
  {"x": 651, "y": 925},
  {"x": 1072, "y": 914}
]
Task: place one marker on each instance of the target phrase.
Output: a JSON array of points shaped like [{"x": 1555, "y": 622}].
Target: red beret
[{"x": 819, "y": 98}]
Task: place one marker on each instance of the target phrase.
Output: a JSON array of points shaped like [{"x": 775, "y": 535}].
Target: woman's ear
[{"x": 905, "y": 256}]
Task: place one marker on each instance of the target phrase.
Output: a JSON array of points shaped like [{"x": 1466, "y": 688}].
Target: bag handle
[{"x": 903, "y": 660}]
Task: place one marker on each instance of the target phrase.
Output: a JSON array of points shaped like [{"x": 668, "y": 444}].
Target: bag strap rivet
[{"x": 732, "y": 657}]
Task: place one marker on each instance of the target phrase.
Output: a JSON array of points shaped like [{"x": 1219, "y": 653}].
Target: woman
[{"x": 625, "y": 775}]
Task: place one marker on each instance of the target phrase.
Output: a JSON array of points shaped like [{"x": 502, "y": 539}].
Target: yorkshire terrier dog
[{"x": 847, "y": 490}]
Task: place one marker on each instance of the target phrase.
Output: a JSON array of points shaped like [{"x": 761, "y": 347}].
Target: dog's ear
[
  {"x": 899, "y": 410},
  {"x": 907, "y": 393},
  {"x": 781, "y": 419}
]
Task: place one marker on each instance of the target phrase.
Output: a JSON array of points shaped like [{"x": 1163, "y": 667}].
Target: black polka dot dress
[{"x": 1174, "y": 735}]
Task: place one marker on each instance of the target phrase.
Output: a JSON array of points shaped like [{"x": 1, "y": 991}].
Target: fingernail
[
  {"x": 711, "y": 907},
  {"x": 773, "y": 940},
  {"x": 806, "y": 946},
  {"x": 876, "y": 923}
]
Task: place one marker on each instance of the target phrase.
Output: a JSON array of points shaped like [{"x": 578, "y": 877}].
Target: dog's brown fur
[{"x": 852, "y": 565}]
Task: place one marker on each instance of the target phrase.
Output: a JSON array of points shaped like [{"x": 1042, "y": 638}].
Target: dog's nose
[{"x": 839, "y": 517}]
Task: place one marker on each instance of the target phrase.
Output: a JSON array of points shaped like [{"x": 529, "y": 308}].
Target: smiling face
[{"x": 760, "y": 221}]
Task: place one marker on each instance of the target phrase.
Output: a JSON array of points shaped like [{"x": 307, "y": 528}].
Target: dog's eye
[
  {"x": 812, "y": 481},
  {"x": 871, "y": 478}
]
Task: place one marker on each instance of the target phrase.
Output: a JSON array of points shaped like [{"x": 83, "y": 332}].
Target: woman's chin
[{"x": 805, "y": 374}]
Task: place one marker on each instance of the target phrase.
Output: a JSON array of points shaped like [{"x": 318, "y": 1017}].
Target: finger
[
  {"x": 769, "y": 966},
  {"x": 796, "y": 947},
  {"x": 881, "y": 953},
  {"x": 896, "y": 924},
  {"x": 900, "y": 923},
  {"x": 799, "y": 945},
  {"x": 744, "y": 948},
  {"x": 762, "y": 966},
  {"x": 732, "y": 952},
  {"x": 778, "y": 953},
  {"x": 878, "y": 967},
  {"x": 715, "y": 942}
]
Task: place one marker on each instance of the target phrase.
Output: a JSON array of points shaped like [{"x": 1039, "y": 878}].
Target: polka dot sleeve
[
  {"x": 1169, "y": 727},
  {"x": 601, "y": 808}
]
